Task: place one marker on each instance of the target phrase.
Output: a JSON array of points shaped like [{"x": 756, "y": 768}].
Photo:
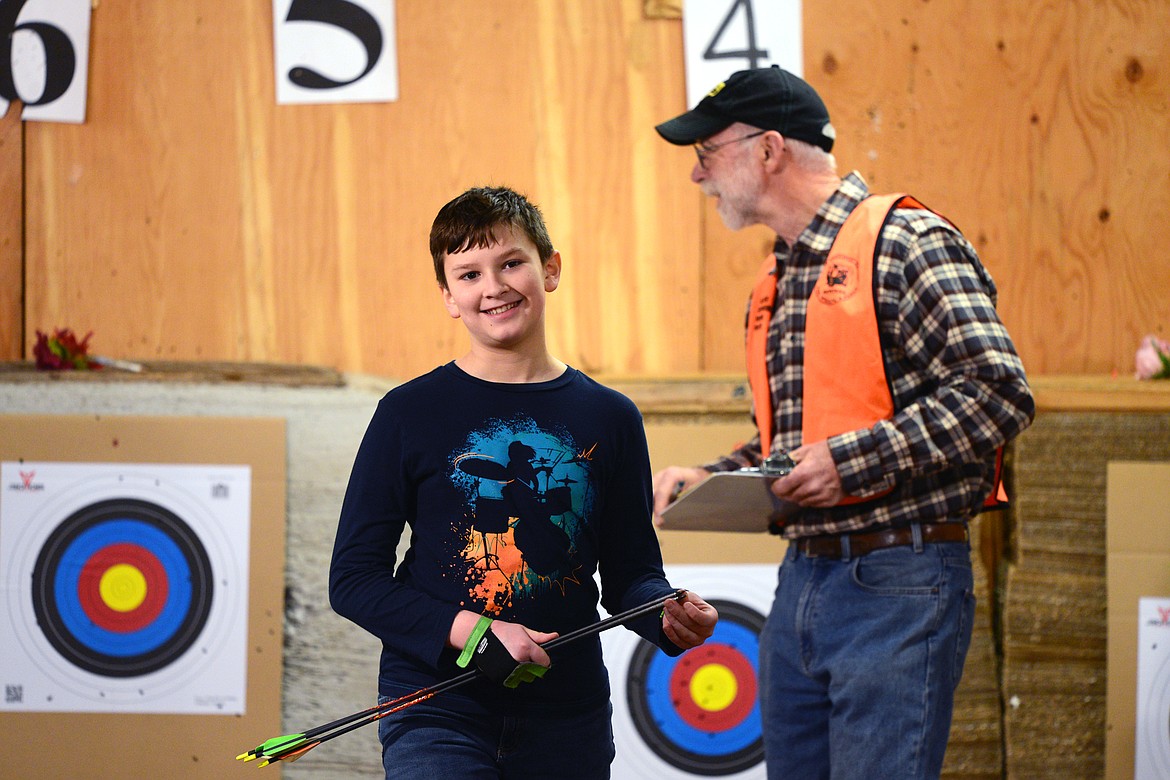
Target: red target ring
[
  {"x": 713, "y": 687},
  {"x": 101, "y": 609}
]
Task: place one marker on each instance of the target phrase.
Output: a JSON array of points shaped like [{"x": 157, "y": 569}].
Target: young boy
[{"x": 519, "y": 477}]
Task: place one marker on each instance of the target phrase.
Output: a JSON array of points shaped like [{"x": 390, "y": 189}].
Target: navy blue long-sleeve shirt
[{"x": 514, "y": 494}]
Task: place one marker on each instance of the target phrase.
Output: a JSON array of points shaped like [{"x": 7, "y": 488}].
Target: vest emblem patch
[{"x": 838, "y": 280}]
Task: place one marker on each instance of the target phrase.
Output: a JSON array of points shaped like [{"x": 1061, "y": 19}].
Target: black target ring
[
  {"x": 179, "y": 566},
  {"x": 660, "y": 714}
]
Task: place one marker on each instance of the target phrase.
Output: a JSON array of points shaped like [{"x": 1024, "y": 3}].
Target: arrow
[
  {"x": 271, "y": 746},
  {"x": 291, "y": 747}
]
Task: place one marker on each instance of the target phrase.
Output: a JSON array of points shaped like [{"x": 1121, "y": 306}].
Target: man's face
[{"x": 729, "y": 174}]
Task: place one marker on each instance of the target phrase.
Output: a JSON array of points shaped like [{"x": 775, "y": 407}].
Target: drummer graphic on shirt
[{"x": 528, "y": 495}]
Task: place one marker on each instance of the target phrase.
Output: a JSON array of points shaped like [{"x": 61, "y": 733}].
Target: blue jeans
[
  {"x": 427, "y": 742},
  {"x": 859, "y": 661}
]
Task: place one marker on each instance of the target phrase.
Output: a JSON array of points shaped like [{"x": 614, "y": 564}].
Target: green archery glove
[{"x": 494, "y": 660}]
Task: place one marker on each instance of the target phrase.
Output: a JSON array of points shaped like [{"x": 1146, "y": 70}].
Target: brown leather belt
[{"x": 833, "y": 546}]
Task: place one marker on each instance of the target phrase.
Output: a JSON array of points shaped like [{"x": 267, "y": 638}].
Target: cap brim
[{"x": 691, "y": 127}]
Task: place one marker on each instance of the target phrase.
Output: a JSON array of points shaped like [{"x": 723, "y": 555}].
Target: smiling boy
[
  {"x": 498, "y": 291},
  {"x": 519, "y": 478}
]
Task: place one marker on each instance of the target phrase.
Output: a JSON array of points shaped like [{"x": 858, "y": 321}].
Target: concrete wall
[{"x": 330, "y": 665}]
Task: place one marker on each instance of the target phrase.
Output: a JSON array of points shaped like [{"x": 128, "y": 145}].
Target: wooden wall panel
[
  {"x": 190, "y": 218},
  {"x": 11, "y": 235},
  {"x": 1042, "y": 129}
]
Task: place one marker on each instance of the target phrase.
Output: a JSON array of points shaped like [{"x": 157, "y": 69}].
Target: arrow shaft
[{"x": 325, "y": 732}]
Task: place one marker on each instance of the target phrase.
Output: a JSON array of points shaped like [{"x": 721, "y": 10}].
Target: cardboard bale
[
  {"x": 975, "y": 747},
  {"x": 1054, "y": 736},
  {"x": 1054, "y": 592}
]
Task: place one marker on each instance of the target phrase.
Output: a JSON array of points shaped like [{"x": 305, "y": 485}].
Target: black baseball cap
[{"x": 767, "y": 98}]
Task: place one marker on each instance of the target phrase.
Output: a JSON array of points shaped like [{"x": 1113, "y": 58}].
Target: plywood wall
[
  {"x": 11, "y": 237},
  {"x": 191, "y": 218}
]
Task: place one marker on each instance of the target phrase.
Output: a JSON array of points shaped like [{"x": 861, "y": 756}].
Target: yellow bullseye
[
  {"x": 123, "y": 587},
  {"x": 713, "y": 687}
]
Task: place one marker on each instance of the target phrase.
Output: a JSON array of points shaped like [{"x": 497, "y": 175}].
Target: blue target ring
[
  {"x": 670, "y": 723},
  {"x": 665, "y": 711},
  {"x": 171, "y": 560},
  {"x": 83, "y": 548}
]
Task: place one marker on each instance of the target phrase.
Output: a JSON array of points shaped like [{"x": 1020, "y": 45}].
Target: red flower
[{"x": 62, "y": 351}]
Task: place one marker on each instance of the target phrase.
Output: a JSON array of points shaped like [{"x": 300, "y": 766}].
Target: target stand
[
  {"x": 115, "y": 694},
  {"x": 695, "y": 715}
]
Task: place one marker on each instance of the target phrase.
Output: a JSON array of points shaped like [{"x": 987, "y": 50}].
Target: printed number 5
[{"x": 339, "y": 13}]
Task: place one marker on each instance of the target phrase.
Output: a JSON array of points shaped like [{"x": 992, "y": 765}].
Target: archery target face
[
  {"x": 696, "y": 715},
  {"x": 1152, "y": 730},
  {"x": 124, "y": 587}
]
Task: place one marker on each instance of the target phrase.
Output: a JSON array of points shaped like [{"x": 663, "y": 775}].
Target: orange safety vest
[{"x": 845, "y": 382}]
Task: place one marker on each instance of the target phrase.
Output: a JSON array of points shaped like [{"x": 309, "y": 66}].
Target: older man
[{"x": 879, "y": 365}]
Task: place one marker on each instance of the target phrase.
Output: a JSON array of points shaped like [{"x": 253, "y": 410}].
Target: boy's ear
[
  {"x": 449, "y": 302},
  {"x": 552, "y": 272}
]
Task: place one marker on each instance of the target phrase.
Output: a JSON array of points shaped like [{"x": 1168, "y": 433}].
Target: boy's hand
[
  {"x": 690, "y": 622},
  {"x": 507, "y": 653},
  {"x": 522, "y": 643}
]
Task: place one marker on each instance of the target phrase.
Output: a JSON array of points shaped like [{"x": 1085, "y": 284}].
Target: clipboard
[{"x": 738, "y": 501}]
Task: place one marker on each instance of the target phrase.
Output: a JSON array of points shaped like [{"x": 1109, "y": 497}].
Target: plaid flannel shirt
[{"x": 958, "y": 385}]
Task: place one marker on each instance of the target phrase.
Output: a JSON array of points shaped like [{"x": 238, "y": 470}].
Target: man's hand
[
  {"x": 814, "y": 481},
  {"x": 690, "y": 622},
  {"x": 671, "y": 481}
]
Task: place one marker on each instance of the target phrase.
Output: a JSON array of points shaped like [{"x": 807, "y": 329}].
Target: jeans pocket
[
  {"x": 966, "y": 622},
  {"x": 898, "y": 571}
]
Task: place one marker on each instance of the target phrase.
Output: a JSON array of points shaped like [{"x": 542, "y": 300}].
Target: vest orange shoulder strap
[
  {"x": 760, "y": 310},
  {"x": 845, "y": 384}
]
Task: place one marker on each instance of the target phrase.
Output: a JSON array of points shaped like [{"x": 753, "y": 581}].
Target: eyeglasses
[{"x": 703, "y": 151}]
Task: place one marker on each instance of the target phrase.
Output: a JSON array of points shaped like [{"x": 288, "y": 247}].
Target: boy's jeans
[
  {"x": 859, "y": 660},
  {"x": 426, "y": 742}
]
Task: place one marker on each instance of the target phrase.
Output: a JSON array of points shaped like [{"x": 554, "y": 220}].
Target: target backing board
[
  {"x": 1137, "y": 564},
  {"x": 696, "y": 715},
  {"x": 124, "y": 587},
  {"x": 1152, "y": 729}
]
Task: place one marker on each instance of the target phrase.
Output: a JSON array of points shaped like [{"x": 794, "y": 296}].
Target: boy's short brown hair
[{"x": 470, "y": 220}]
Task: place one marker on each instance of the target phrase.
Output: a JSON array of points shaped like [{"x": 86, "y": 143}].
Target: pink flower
[{"x": 1152, "y": 360}]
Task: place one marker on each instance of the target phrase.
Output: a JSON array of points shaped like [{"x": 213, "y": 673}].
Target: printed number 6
[{"x": 60, "y": 59}]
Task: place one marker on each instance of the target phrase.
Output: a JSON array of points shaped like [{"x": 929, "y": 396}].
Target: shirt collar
[{"x": 819, "y": 235}]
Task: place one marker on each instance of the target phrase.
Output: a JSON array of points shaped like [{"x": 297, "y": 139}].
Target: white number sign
[
  {"x": 335, "y": 51},
  {"x": 44, "y": 58},
  {"x": 723, "y": 36}
]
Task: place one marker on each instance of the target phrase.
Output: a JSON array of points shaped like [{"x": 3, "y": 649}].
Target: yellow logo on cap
[{"x": 718, "y": 88}]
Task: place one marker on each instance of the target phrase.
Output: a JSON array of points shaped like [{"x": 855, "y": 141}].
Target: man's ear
[
  {"x": 552, "y": 272},
  {"x": 772, "y": 150}
]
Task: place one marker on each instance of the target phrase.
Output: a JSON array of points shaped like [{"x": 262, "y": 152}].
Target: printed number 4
[{"x": 752, "y": 54}]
